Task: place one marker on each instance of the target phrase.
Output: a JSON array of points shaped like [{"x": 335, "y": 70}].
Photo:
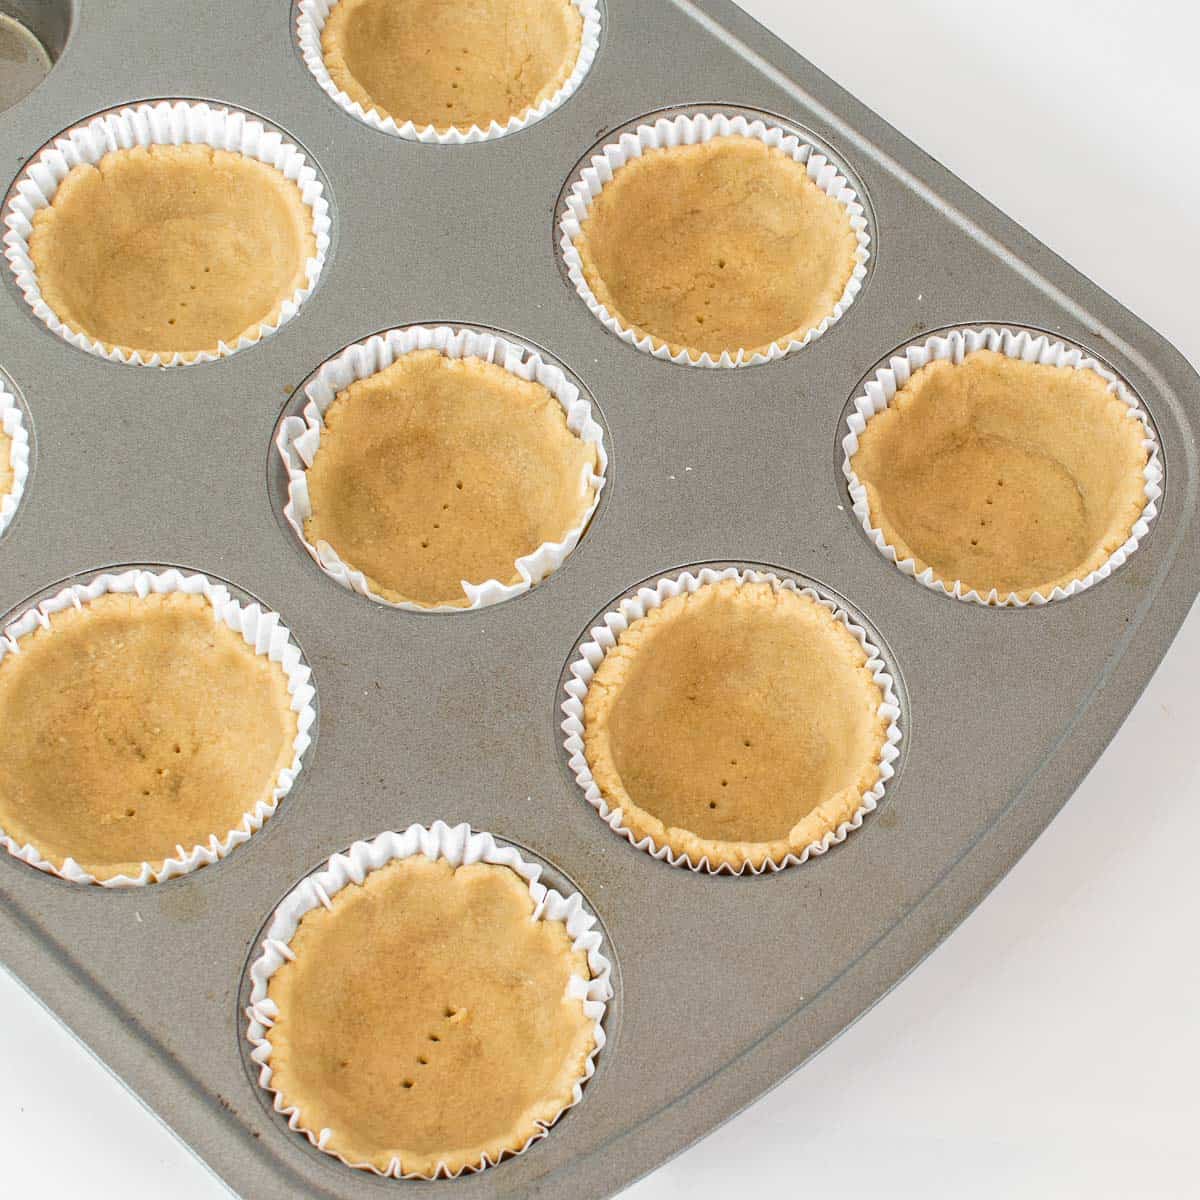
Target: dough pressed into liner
[
  {"x": 1004, "y": 474},
  {"x": 426, "y": 1018},
  {"x": 724, "y": 245},
  {"x": 6, "y": 471},
  {"x": 739, "y": 722},
  {"x": 451, "y": 65},
  {"x": 437, "y": 470},
  {"x": 133, "y": 726},
  {"x": 171, "y": 249}
]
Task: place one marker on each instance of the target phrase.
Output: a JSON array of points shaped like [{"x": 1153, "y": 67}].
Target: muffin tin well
[
  {"x": 724, "y": 984},
  {"x": 33, "y": 35}
]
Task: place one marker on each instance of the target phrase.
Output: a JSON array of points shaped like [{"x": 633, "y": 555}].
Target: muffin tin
[{"x": 721, "y": 985}]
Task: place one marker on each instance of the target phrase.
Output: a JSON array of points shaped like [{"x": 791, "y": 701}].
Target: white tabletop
[{"x": 1049, "y": 1048}]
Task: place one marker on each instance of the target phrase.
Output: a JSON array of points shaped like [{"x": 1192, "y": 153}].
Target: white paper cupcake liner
[
  {"x": 953, "y": 346},
  {"x": 603, "y": 637},
  {"x": 458, "y": 845},
  {"x": 260, "y": 629},
  {"x": 12, "y": 422},
  {"x": 311, "y": 16},
  {"x": 686, "y": 130},
  {"x": 166, "y": 123},
  {"x": 299, "y": 437}
]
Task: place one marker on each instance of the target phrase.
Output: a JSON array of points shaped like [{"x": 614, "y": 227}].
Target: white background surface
[{"x": 1050, "y": 1047}]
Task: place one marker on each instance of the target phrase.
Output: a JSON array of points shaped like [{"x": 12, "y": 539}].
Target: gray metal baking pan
[{"x": 723, "y": 985}]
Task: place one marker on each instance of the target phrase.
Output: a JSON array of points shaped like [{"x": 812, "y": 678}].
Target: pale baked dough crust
[
  {"x": 1004, "y": 474},
  {"x": 725, "y": 245},
  {"x": 171, "y": 249},
  {"x": 451, "y": 65},
  {"x": 426, "y": 1018},
  {"x": 6, "y": 471},
  {"x": 133, "y": 726},
  {"x": 437, "y": 470},
  {"x": 738, "y": 723}
]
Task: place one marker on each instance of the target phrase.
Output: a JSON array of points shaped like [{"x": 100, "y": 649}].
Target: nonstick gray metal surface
[{"x": 723, "y": 985}]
